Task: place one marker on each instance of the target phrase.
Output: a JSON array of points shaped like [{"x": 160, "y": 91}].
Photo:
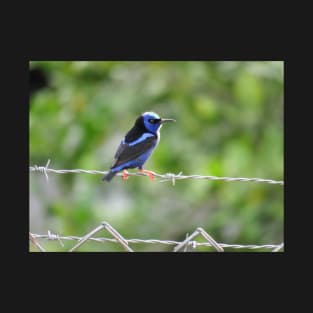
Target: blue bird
[{"x": 138, "y": 145}]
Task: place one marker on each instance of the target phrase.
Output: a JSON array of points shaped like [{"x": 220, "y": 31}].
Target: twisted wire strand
[
  {"x": 192, "y": 243},
  {"x": 164, "y": 177}
]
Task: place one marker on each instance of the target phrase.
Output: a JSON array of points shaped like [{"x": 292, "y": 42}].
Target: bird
[{"x": 137, "y": 145}]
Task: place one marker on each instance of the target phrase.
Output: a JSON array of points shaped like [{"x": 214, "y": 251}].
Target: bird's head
[{"x": 153, "y": 122}]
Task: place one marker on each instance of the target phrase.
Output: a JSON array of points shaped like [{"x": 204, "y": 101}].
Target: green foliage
[{"x": 229, "y": 123}]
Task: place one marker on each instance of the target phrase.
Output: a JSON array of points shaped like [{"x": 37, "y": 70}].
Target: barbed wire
[
  {"x": 188, "y": 243},
  {"x": 164, "y": 177}
]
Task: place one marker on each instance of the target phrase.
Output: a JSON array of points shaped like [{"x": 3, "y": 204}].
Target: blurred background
[{"x": 229, "y": 122}]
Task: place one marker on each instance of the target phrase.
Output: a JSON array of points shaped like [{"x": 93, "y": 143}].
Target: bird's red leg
[
  {"x": 125, "y": 175},
  {"x": 150, "y": 173}
]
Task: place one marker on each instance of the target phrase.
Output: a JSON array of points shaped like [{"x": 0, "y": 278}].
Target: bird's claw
[
  {"x": 149, "y": 173},
  {"x": 125, "y": 175}
]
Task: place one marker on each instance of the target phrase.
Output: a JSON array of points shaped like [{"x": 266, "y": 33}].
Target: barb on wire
[
  {"x": 199, "y": 231},
  {"x": 55, "y": 237},
  {"x": 164, "y": 177}
]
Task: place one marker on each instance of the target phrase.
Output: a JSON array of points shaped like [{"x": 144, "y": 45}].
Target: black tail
[{"x": 109, "y": 176}]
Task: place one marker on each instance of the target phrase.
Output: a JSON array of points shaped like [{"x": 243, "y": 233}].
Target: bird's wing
[{"x": 130, "y": 151}]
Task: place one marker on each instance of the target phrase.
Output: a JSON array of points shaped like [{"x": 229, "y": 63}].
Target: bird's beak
[{"x": 164, "y": 120}]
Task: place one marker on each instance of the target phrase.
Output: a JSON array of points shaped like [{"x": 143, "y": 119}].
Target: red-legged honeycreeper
[{"x": 138, "y": 145}]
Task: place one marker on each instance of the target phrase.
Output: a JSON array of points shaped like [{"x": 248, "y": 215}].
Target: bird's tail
[{"x": 109, "y": 176}]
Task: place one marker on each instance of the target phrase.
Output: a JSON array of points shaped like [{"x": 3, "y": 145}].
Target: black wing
[{"x": 126, "y": 152}]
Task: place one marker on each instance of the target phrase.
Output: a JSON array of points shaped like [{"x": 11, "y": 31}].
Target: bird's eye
[{"x": 152, "y": 121}]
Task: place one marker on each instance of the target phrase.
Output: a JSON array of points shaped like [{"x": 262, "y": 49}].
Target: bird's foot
[
  {"x": 125, "y": 175},
  {"x": 149, "y": 173}
]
